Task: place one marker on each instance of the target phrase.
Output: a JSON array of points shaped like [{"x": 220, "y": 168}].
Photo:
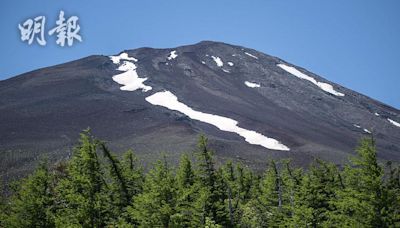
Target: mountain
[{"x": 252, "y": 106}]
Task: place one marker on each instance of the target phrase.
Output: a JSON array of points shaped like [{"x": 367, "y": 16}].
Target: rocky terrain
[{"x": 252, "y": 106}]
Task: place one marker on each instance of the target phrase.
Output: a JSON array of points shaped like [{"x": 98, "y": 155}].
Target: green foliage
[
  {"x": 366, "y": 199},
  {"x": 315, "y": 193},
  {"x": 212, "y": 189},
  {"x": 187, "y": 192},
  {"x": 156, "y": 204},
  {"x": 97, "y": 189},
  {"x": 33, "y": 204},
  {"x": 82, "y": 195}
]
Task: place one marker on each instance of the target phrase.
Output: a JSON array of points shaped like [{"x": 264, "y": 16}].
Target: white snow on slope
[
  {"x": 367, "y": 131},
  {"x": 129, "y": 78},
  {"x": 230, "y": 63},
  {"x": 394, "y": 122},
  {"x": 218, "y": 61},
  {"x": 324, "y": 86},
  {"x": 172, "y": 55},
  {"x": 251, "y": 84},
  {"x": 253, "y": 56},
  {"x": 377, "y": 114},
  {"x": 226, "y": 71},
  {"x": 122, "y": 56},
  {"x": 364, "y": 129},
  {"x": 168, "y": 100}
]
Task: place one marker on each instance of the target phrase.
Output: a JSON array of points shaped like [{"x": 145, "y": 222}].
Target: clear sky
[{"x": 355, "y": 43}]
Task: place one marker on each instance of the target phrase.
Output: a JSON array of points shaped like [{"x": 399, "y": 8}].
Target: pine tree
[
  {"x": 229, "y": 175},
  {"x": 124, "y": 182},
  {"x": 268, "y": 202},
  {"x": 364, "y": 201},
  {"x": 93, "y": 191},
  {"x": 82, "y": 195},
  {"x": 392, "y": 189},
  {"x": 292, "y": 179},
  {"x": 317, "y": 190},
  {"x": 186, "y": 214},
  {"x": 212, "y": 189},
  {"x": 32, "y": 205},
  {"x": 155, "y": 206},
  {"x": 132, "y": 170}
]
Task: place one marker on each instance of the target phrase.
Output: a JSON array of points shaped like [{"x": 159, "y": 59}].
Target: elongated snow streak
[
  {"x": 218, "y": 61},
  {"x": 394, "y": 122},
  {"x": 367, "y": 131},
  {"x": 230, "y": 63},
  {"x": 172, "y": 55},
  {"x": 252, "y": 84},
  {"x": 168, "y": 100},
  {"x": 129, "y": 78},
  {"x": 324, "y": 86},
  {"x": 377, "y": 114},
  {"x": 253, "y": 56}
]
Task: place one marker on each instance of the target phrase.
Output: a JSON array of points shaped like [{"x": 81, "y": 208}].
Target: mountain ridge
[{"x": 296, "y": 110}]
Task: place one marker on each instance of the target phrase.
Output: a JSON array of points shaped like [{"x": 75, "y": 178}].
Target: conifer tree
[
  {"x": 124, "y": 182},
  {"x": 155, "y": 206},
  {"x": 238, "y": 182},
  {"x": 32, "y": 204},
  {"x": 292, "y": 179},
  {"x": 186, "y": 214},
  {"x": 269, "y": 200},
  {"x": 212, "y": 193},
  {"x": 364, "y": 201},
  {"x": 82, "y": 195},
  {"x": 133, "y": 172},
  {"x": 105, "y": 191},
  {"x": 317, "y": 190}
]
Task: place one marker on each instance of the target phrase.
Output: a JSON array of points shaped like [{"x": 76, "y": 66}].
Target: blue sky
[{"x": 353, "y": 43}]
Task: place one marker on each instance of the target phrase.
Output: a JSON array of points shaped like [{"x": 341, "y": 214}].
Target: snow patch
[
  {"x": 218, "y": 61},
  {"x": 226, "y": 71},
  {"x": 202, "y": 62},
  {"x": 172, "y": 55},
  {"x": 324, "y": 86},
  {"x": 122, "y": 56},
  {"x": 253, "y": 56},
  {"x": 377, "y": 114},
  {"x": 251, "y": 84},
  {"x": 394, "y": 122},
  {"x": 129, "y": 78},
  {"x": 169, "y": 100},
  {"x": 230, "y": 63},
  {"x": 367, "y": 131},
  {"x": 356, "y": 125}
]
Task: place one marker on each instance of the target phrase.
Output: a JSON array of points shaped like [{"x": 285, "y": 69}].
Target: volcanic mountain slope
[{"x": 252, "y": 106}]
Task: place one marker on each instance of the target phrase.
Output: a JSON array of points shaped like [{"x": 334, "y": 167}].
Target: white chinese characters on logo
[
  {"x": 30, "y": 28},
  {"x": 66, "y": 30}
]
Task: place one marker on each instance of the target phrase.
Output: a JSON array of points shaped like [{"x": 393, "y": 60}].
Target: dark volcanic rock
[{"x": 43, "y": 111}]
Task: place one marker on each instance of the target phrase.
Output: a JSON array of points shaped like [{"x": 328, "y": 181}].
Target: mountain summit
[{"x": 252, "y": 106}]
